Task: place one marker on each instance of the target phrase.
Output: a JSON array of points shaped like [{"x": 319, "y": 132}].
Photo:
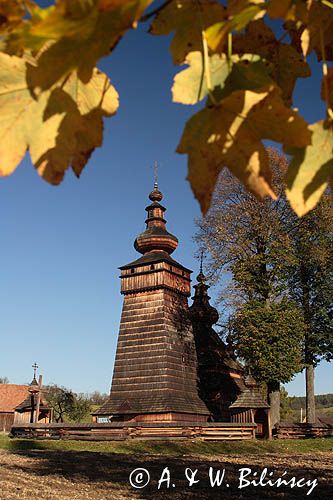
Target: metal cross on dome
[{"x": 155, "y": 175}]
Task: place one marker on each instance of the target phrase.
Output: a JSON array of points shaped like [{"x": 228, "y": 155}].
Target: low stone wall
[
  {"x": 123, "y": 431},
  {"x": 299, "y": 431}
]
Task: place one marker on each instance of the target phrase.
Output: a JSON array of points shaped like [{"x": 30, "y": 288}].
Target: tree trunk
[
  {"x": 310, "y": 395},
  {"x": 273, "y": 389}
]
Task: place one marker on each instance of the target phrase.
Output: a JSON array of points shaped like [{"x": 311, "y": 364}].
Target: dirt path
[{"x": 58, "y": 475}]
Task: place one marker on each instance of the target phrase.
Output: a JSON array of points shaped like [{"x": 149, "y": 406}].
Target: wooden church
[{"x": 171, "y": 366}]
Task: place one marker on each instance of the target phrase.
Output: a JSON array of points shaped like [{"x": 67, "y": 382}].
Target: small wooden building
[
  {"x": 33, "y": 408},
  {"x": 20, "y": 404},
  {"x": 250, "y": 407},
  {"x": 11, "y": 395}
]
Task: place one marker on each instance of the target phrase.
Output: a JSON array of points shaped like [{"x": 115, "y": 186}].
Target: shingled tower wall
[{"x": 155, "y": 373}]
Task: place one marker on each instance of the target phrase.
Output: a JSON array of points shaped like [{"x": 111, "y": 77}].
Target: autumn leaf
[
  {"x": 319, "y": 23},
  {"x": 231, "y": 134},
  {"x": 187, "y": 19},
  {"x": 288, "y": 65},
  {"x": 11, "y": 14},
  {"x": 73, "y": 35},
  {"x": 238, "y": 16},
  {"x": 289, "y": 10},
  {"x": 247, "y": 72},
  {"x": 60, "y": 128},
  {"x": 329, "y": 85},
  {"x": 311, "y": 169}
]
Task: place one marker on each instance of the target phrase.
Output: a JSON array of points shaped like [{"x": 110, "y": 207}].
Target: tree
[
  {"x": 97, "y": 398},
  {"x": 53, "y": 98},
  {"x": 4, "y": 380},
  {"x": 310, "y": 279},
  {"x": 268, "y": 337},
  {"x": 249, "y": 240},
  {"x": 79, "y": 409},
  {"x": 60, "y": 399},
  {"x": 66, "y": 403}
]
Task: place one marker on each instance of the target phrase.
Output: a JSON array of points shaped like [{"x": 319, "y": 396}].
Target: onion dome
[
  {"x": 155, "y": 237},
  {"x": 34, "y": 387},
  {"x": 201, "y": 311}
]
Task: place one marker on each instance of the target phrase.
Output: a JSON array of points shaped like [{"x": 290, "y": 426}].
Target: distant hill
[{"x": 322, "y": 401}]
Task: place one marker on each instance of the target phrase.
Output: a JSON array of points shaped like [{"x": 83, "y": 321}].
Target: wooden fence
[
  {"x": 299, "y": 431},
  {"x": 123, "y": 431}
]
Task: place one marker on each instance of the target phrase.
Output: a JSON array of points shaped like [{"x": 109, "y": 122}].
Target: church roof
[
  {"x": 158, "y": 403},
  {"x": 154, "y": 257},
  {"x": 11, "y": 395}
]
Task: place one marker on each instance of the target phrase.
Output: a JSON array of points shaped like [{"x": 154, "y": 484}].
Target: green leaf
[
  {"x": 311, "y": 169},
  {"x": 60, "y": 128},
  {"x": 231, "y": 134},
  {"x": 247, "y": 72},
  {"x": 187, "y": 19},
  {"x": 73, "y": 35}
]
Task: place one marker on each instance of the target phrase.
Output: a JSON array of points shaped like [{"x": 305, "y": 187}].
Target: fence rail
[{"x": 123, "y": 431}]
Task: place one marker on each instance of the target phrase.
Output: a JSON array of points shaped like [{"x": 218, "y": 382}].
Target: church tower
[{"x": 155, "y": 372}]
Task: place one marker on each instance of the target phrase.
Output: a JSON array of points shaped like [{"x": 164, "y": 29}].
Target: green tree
[
  {"x": 4, "y": 380},
  {"x": 310, "y": 279},
  {"x": 79, "y": 409},
  {"x": 268, "y": 337},
  {"x": 249, "y": 240},
  {"x": 60, "y": 399}
]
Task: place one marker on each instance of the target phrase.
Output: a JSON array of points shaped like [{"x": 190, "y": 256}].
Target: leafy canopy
[{"x": 244, "y": 74}]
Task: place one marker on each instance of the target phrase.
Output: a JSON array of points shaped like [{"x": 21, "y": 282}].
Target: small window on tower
[
  {"x": 152, "y": 267},
  {"x": 170, "y": 268},
  {"x": 183, "y": 358},
  {"x": 132, "y": 271}
]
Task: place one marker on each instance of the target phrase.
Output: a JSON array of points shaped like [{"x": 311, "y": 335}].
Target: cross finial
[
  {"x": 201, "y": 261},
  {"x": 155, "y": 175},
  {"x": 35, "y": 366}
]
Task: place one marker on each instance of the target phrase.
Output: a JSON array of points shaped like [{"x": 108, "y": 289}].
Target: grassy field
[
  {"x": 174, "y": 448},
  {"x": 79, "y": 470}
]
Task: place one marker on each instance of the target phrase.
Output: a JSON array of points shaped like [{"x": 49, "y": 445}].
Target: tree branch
[{"x": 147, "y": 16}]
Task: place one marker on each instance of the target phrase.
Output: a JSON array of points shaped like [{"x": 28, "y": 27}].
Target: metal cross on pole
[{"x": 35, "y": 366}]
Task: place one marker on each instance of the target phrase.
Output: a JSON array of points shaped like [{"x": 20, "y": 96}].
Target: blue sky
[{"x": 62, "y": 246}]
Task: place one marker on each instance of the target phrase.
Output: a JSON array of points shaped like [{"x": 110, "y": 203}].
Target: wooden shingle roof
[
  {"x": 11, "y": 395},
  {"x": 249, "y": 398}
]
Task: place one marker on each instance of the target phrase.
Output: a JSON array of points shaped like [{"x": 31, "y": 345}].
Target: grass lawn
[{"x": 174, "y": 448}]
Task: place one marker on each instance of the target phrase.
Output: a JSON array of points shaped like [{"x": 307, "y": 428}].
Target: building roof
[
  {"x": 249, "y": 398},
  {"x": 11, "y": 395},
  {"x": 153, "y": 258},
  {"x": 26, "y": 403}
]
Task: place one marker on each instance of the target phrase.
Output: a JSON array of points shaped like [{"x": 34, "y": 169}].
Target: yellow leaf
[
  {"x": 187, "y": 19},
  {"x": 73, "y": 35},
  {"x": 231, "y": 134},
  {"x": 311, "y": 169},
  {"x": 247, "y": 72},
  {"x": 320, "y": 19},
  {"x": 11, "y": 14},
  {"x": 60, "y": 128},
  {"x": 239, "y": 14},
  {"x": 287, "y": 64},
  {"x": 329, "y": 85},
  {"x": 289, "y": 10}
]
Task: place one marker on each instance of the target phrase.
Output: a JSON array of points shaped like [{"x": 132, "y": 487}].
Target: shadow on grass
[{"x": 112, "y": 471}]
